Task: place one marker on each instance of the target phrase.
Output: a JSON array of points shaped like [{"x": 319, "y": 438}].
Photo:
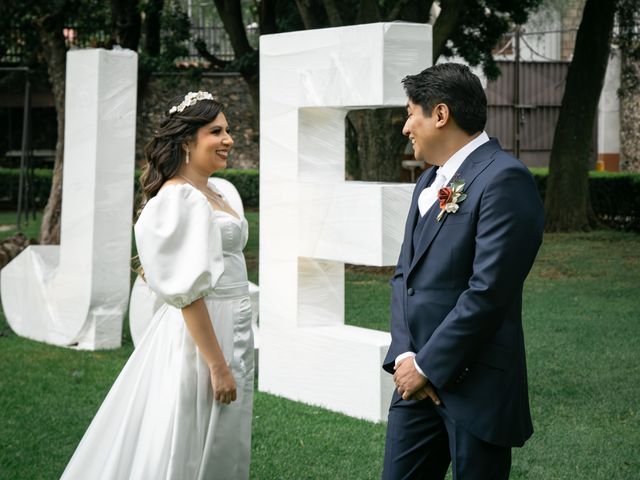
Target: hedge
[
  {"x": 615, "y": 196},
  {"x": 246, "y": 181},
  {"x": 9, "y": 178}
]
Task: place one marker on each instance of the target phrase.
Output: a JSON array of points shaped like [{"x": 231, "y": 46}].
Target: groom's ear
[{"x": 441, "y": 114}]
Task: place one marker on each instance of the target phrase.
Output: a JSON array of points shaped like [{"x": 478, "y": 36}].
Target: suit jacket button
[{"x": 410, "y": 291}]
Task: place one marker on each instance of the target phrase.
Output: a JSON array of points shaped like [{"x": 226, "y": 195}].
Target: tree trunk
[
  {"x": 231, "y": 15},
  {"x": 379, "y": 144},
  {"x": 368, "y": 12},
  {"x": 230, "y": 12},
  {"x": 153, "y": 12},
  {"x": 253, "y": 83},
  {"x": 55, "y": 54},
  {"x": 630, "y": 119},
  {"x": 567, "y": 203},
  {"x": 268, "y": 17},
  {"x": 445, "y": 24},
  {"x": 333, "y": 13},
  {"x": 310, "y": 13},
  {"x": 411, "y": 11},
  {"x": 126, "y": 23}
]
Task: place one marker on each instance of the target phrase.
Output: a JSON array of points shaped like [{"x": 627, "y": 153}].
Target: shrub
[
  {"x": 615, "y": 197},
  {"x": 10, "y": 179},
  {"x": 246, "y": 181}
]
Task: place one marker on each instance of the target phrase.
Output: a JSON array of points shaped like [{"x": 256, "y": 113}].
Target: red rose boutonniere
[{"x": 450, "y": 197}]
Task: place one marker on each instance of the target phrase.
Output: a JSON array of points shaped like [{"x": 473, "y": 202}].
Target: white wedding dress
[{"x": 159, "y": 420}]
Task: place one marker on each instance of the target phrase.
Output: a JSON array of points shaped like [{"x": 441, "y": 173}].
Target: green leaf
[{"x": 457, "y": 185}]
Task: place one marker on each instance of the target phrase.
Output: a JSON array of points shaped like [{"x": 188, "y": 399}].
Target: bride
[{"x": 182, "y": 406}]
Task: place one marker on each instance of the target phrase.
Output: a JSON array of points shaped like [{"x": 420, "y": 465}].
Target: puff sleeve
[{"x": 179, "y": 245}]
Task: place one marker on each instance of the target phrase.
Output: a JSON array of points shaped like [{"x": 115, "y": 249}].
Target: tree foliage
[{"x": 480, "y": 26}]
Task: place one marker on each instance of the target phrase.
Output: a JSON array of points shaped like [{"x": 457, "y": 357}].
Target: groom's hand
[
  {"x": 407, "y": 379},
  {"x": 428, "y": 391}
]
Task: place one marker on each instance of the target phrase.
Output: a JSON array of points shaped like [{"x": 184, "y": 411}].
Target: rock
[{"x": 11, "y": 248}]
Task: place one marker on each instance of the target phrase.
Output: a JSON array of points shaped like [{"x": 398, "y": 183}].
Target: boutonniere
[{"x": 450, "y": 197}]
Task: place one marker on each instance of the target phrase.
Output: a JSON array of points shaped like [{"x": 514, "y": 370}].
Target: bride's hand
[{"x": 223, "y": 383}]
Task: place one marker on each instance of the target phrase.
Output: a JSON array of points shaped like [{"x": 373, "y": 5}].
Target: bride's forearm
[{"x": 196, "y": 317}]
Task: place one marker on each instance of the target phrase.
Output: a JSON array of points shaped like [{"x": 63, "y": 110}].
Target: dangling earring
[{"x": 187, "y": 159}]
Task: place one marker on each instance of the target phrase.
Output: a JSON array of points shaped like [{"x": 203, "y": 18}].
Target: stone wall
[{"x": 230, "y": 89}]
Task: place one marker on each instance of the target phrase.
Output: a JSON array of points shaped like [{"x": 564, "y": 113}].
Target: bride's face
[{"x": 210, "y": 150}]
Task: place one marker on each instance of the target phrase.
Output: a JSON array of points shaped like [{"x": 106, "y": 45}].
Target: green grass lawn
[{"x": 581, "y": 323}]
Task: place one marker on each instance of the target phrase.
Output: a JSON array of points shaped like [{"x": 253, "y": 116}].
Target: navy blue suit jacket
[{"x": 457, "y": 300}]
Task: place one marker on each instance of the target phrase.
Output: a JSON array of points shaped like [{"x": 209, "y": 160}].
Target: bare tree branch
[
  {"x": 49, "y": 29},
  {"x": 201, "y": 46}
]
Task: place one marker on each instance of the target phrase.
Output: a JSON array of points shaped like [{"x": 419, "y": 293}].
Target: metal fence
[
  {"x": 214, "y": 36},
  {"x": 529, "y": 117}
]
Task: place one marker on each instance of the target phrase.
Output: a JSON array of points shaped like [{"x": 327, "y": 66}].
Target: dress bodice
[
  {"x": 187, "y": 248},
  {"x": 234, "y": 234}
]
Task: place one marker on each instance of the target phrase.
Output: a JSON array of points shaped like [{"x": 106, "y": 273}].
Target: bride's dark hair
[{"x": 165, "y": 153}]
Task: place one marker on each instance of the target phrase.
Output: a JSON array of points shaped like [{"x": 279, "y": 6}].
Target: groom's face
[{"x": 420, "y": 129}]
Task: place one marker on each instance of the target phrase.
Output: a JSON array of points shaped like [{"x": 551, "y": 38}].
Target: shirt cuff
[
  {"x": 418, "y": 367},
  {"x": 402, "y": 356}
]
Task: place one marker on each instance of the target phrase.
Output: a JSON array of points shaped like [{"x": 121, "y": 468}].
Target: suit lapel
[
  {"x": 475, "y": 163},
  {"x": 412, "y": 219}
]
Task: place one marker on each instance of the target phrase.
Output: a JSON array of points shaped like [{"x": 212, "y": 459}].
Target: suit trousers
[{"x": 423, "y": 440}]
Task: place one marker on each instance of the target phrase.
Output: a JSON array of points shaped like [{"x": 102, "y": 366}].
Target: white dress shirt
[
  {"x": 430, "y": 194},
  {"x": 444, "y": 175}
]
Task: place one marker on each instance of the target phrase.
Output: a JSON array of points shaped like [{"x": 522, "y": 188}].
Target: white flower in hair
[{"x": 191, "y": 98}]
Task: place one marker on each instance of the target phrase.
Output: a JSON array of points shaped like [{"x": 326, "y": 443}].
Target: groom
[{"x": 457, "y": 352}]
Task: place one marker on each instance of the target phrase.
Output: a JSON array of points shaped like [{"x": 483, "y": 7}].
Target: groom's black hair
[{"x": 454, "y": 85}]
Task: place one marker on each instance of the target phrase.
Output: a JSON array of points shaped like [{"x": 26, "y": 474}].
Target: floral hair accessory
[
  {"x": 190, "y": 99},
  {"x": 450, "y": 197}
]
